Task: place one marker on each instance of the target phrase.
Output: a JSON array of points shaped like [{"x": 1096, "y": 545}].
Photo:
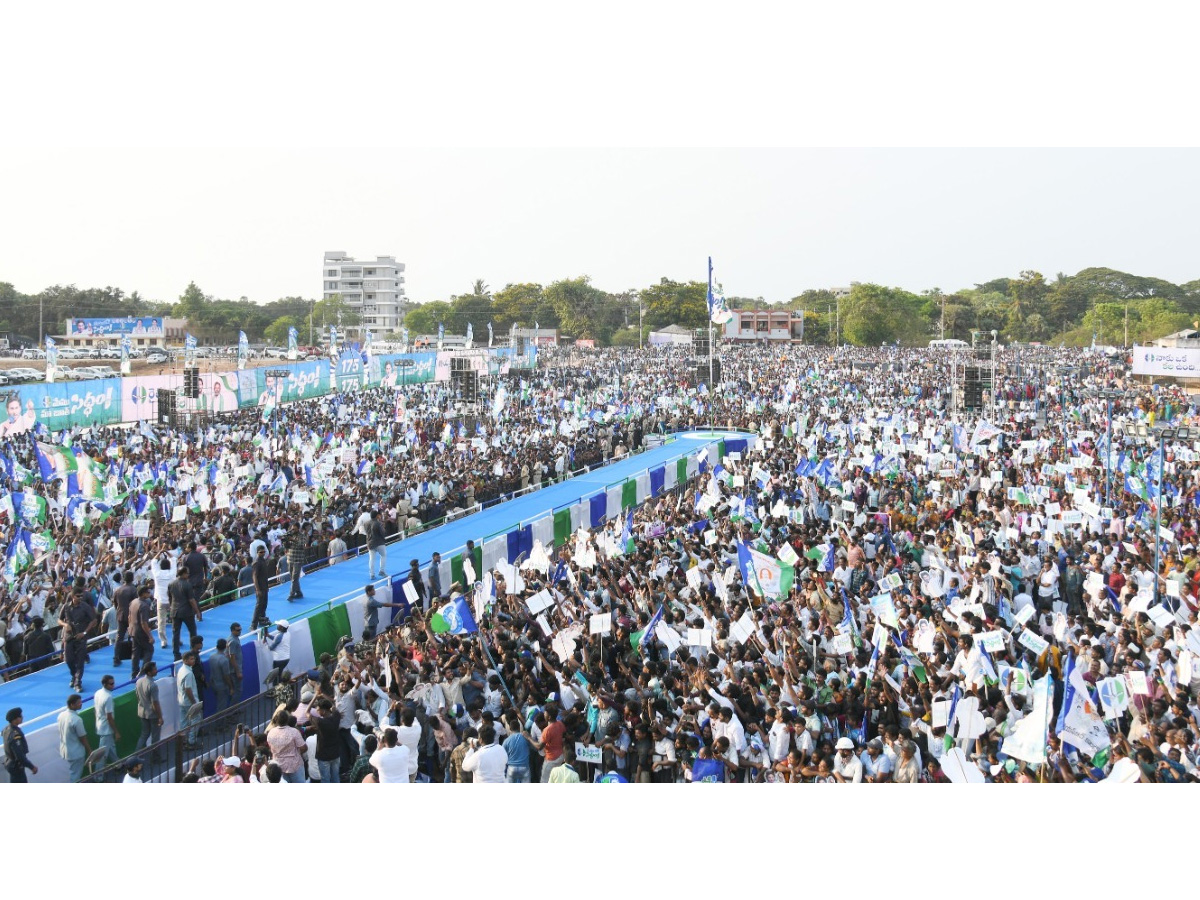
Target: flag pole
[{"x": 712, "y": 388}]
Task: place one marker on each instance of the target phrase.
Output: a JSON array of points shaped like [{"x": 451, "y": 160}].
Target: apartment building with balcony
[{"x": 375, "y": 288}]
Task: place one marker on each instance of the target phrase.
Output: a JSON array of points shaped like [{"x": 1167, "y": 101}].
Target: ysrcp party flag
[
  {"x": 243, "y": 349},
  {"x": 91, "y": 477},
  {"x": 884, "y": 608},
  {"x": 454, "y": 618},
  {"x": 55, "y": 462},
  {"x": 1028, "y": 739},
  {"x": 764, "y": 574},
  {"x": 984, "y": 432},
  {"x": 718, "y": 310},
  {"x": 293, "y": 350}
]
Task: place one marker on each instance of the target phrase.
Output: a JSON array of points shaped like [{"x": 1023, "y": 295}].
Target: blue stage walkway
[{"x": 42, "y": 694}]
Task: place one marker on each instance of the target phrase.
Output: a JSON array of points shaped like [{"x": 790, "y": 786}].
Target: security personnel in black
[
  {"x": 76, "y": 618},
  {"x": 297, "y": 556},
  {"x": 122, "y": 597},
  {"x": 16, "y": 749}
]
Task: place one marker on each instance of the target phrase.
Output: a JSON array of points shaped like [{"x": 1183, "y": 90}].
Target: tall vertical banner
[
  {"x": 333, "y": 336},
  {"x": 293, "y": 350},
  {"x": 718, "y": 309},
  {"x": 367, "y": 344},
  {"x": 441, "y": 333},
  {"x": 51, "y": 358},
  {"x": 404, "y": 337},
  {"x": 490, "y": 336},
  {"x": 125, "y": 364},
  {"x": 470, "y": 335},
  {"x": 189, "y": 351},
  {"x": 243, "y": 350}
]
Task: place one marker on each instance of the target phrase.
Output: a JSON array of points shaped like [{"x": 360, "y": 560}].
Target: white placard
[
  {"x": 1181, "y": 362},
  {"x": 540, "y": 602},
  {"x": 586, "y": 753},
  {"x": 743, "y": 628},
  {"x": 1034, "y": 642},
  {"x": 993, "y": 641},
  {"x": 141, "y": 528},
  {"x": 668, "y": 636},
  {"x": 600, "y": 623}
]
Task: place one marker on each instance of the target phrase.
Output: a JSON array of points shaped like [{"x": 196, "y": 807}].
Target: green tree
[
  {"x": 191, "y": 302},
  {"x": 522, "y": 304},
  {"x": 1026, "y": 293},
  {"x": 581, "y": 308},
  {"x": 625, "y": 337},
  {"x": 475, "y": 308},
  {"x": 326, "y": 312},
  {"x": 424, "y": 318},
  {"x": 874, "y": 315},
  {"x": 674, "y": 303},
  {"x": 277, "y": 332},
  {"x": 1107, "y": 322}
]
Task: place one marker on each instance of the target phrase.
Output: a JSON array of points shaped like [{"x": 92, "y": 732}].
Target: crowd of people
[{"x": 887, "y": 587}]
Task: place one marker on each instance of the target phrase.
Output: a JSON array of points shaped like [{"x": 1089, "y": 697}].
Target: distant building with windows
[
  {"x": 375, "y": 289},
  {"x": 783, "y": 325}
]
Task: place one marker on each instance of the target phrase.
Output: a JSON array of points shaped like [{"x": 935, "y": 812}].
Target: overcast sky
[{"x": 255, "y": 223}]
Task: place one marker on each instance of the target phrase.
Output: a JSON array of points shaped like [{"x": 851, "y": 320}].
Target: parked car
[
  {"x": 157, "y": 356},
  {"x": 22, "y": 374},
  {"x": 32, "y": 353},
  {"x": 275, "y": 353},
  {"x": 96, "y": 372}
]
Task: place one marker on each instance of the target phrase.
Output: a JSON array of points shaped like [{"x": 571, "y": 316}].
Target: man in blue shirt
[{"x": 516, "y": 745}]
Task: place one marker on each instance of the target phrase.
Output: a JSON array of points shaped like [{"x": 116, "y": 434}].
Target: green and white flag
[{"x": 764, "y": 574}]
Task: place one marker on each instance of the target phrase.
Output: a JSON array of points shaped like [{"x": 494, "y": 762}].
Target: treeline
[
  {"x": 1071, "y": 309},
  {"x": 1110, "y": 306},
  {"x": 210, "y": 319}
]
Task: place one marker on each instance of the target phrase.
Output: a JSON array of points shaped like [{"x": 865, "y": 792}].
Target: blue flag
[
  {"x": 457, "y": 614},
  {"x": 654, "y": 620}
]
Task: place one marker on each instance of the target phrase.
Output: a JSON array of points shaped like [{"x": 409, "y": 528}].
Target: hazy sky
[{"x": 256, "y": 223}]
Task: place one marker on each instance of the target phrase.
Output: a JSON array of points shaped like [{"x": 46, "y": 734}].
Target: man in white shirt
[
  {"x": 779, "y": 738},
  {"x": 846, "y": 764},
  {"x": 728, "y": 725},
  {"x": 163, "y": 573},
  {"x": 106, "y": 724},
  {"x": 336, "y": 550},
  {"x": 409, "y": 735},
  {"x": 487, "y": 760},
  {"x": 187, "y": 696},
  {"x": 391, "y": 760}
]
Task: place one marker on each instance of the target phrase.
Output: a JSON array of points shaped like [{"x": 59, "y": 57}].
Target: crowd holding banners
[{"x": 883, "y": 589}]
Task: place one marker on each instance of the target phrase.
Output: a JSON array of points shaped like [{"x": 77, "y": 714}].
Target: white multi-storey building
[{"x": 374, "y": 288}]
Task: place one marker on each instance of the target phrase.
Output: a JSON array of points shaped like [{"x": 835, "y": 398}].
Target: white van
[{"x": 949, "y": 343}]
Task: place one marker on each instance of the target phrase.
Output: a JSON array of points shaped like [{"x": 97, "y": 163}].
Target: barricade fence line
[{"x": 424, "y": 564}]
